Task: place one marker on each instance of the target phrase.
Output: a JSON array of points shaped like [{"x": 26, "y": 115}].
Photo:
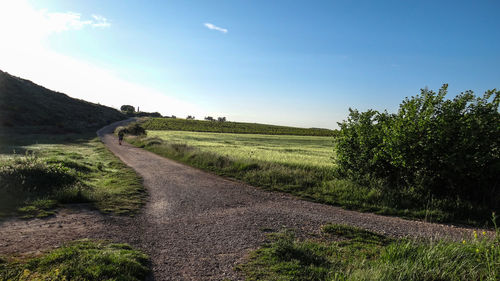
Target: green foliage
[
  {"x": 431, "y": 148},
  {"x": 230, "y": 127},
  {"x": 134, "y": 129},
  {"x": 349, "y": 253},
  {"x": 81, "y": 260},
  {"x": 127, "y": 108}
]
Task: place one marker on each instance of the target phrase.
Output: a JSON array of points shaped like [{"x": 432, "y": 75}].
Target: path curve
[{"x": 195, "y": 225}]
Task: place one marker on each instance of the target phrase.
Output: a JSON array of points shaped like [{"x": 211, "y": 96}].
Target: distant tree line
[
  {"x": 219, "y": 119},
  {"x": 129, "y": 111}
]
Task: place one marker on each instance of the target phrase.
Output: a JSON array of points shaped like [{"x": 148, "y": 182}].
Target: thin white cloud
[
  {"x": 64, "y": 21},
  {"x": 72, "y": 21},
  {"x": 214, "y": 27},
  {"x": 100, "y": 21},
  {"x": 45, "y": 22}
]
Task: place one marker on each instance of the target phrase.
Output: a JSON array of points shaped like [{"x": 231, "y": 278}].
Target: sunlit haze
[{"x": 277, "y": 62}]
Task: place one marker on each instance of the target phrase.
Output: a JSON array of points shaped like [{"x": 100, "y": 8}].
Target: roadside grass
[
  {"x": 300, "y": 165},
  {"x": 347, "y": 253},
  {"x": 80, "y": 260},
  {"x": 60, "y": 169}
]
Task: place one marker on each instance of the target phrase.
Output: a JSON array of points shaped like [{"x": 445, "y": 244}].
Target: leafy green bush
[
  {"x": 431, "y": 148},
  {"x": 135, "y": 129}
]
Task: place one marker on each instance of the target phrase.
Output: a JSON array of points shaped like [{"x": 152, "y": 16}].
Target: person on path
[{"x": 120, "y": 137}]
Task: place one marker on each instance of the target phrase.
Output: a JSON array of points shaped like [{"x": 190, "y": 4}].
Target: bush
[
  {"x": 133, "y": 129},
  {"x": 127, "y": 108},
  {"x": 431, "y": 148}
]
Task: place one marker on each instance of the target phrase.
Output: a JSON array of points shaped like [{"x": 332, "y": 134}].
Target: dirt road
[{"x": 197, "y": 226}]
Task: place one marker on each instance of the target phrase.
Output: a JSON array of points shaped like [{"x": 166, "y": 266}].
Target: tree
[
  {"x": 127, "y": 108},
  {"x": 221, "y": 119},
  {"x": 209, "y": 118},
  {"x": 189, "y": 117}
]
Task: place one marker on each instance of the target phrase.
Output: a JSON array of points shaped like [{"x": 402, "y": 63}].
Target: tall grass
[
  {"x": 81, "y": 260},
  {"x": 57, "y": 172},
  {"x": 348, "y": 253}
]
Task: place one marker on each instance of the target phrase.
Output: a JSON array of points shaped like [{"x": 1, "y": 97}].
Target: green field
[
  {"x": 175, "y": 124},
  {"x": 308, "y": 151}
]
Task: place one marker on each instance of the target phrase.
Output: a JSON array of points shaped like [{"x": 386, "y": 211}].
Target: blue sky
[{"x": 300, "y": 63}]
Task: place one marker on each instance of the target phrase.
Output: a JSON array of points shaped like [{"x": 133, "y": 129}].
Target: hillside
[
  {"x": 230, "y": 127},
  {"x": 24, "y": 104}
]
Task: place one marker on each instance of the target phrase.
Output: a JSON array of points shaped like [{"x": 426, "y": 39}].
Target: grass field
[
  {"x": 42, "y": 172},
  {"x": 308, "y": 151},
  {"x": 342, "y": 253},
  {"x": 231, "y": 127}
]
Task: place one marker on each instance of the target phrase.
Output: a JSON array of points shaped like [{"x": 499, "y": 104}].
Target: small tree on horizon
[
  {"x": 221, "y": 119},
  {"x": 209, "y": 118},
  {"x": 127, "y": 108}
]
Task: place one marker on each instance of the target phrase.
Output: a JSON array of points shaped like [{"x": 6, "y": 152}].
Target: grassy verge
[
  {"x": 298, "y": 165},
  {"x": 81, "y": 260},
  {"x": 47, "y": 171},
  {"x": 348, "y": 253}
]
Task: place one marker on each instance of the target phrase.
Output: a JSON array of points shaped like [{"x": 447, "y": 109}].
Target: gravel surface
[{"x": 195, "y": 225}]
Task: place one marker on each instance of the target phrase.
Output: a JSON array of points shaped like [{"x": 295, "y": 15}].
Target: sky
[{"x": 297, "y": 63}]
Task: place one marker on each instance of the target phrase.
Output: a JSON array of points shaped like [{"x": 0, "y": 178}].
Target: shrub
[
  {"x": 132, "y": 129},
  {"x": 127, "y": 108},
  {"x": 431, "y": 147}
]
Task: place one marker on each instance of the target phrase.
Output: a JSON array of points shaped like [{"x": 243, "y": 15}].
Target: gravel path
[{"x": 197, "y": 226}]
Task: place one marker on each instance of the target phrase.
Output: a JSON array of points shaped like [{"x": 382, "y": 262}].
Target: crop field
[
  {"x": 175, "y": 124},
  {"x": 309, "y": 151}
]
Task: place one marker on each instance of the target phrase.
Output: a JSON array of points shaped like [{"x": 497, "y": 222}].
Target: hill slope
[{"x": 26, "y": 104}]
